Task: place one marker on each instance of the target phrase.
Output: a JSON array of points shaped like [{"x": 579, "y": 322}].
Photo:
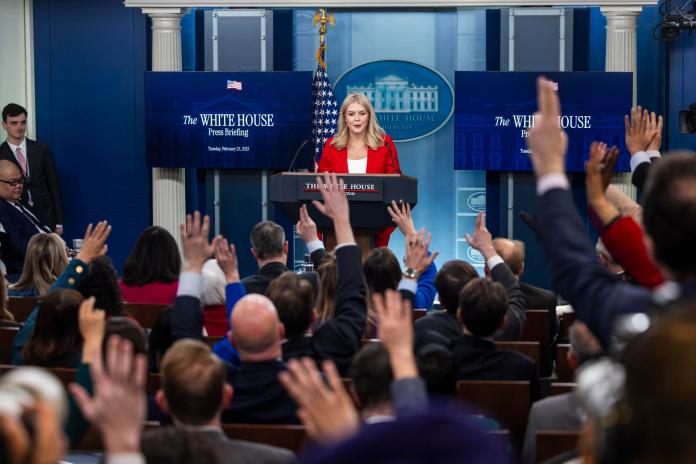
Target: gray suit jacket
[
  {"x": 245, "y": 452},
  {"x": 558, "y": 412}
]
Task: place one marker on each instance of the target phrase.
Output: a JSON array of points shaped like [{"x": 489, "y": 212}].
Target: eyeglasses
[{"x": 14, "y": 182}]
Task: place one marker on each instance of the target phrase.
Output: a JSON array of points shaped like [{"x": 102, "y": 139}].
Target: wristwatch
[{"x": 410, "y": 273}]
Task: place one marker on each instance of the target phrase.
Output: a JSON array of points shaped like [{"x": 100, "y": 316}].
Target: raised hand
[
  {"x": 638, "y": 134},
  {"x": 92, "y": 323},
  {"x": 335, "y": 206},
  {"x": 655, "y": 127},
  {"x": 546, "y": 140},
  {"x": 335, "y": 203},
  {"x": 607, "y": 166},
  {"x": 226, "y": 256},
  {"x": 482, "y": 240},
  {"x": 402, "y": 217},
  {"x": 326, "y": 411},
  {"x": 194, "y": 237},
  {"x": 417, "y": 245},
  {"x": 595, "y": 178},
  {"x": 94, "y": 242},
  {"x": 306, "y": 227},
  {"x": 395, "y": 330},
  {"x": 118, "y": 406}
]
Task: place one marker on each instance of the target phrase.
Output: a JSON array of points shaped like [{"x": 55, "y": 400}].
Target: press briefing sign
[
  {"x": 242, "y": 120},
  {"x": 495, "y": 110}
]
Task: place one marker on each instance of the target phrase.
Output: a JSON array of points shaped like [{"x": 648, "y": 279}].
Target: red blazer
[
  {"x": 624, "y": 240},
  {"x": 383, "y": 160}
]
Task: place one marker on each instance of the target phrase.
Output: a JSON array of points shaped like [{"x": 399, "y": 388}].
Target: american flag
[
  {"x": 324, "y": 110},
  {"x": 234, "y": 85}
]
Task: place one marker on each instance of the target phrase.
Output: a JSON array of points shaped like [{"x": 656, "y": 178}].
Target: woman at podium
[{"x": 360, "y": 146}]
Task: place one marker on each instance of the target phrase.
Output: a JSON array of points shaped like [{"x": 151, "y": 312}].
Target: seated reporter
[
  {"x": 45, "y": 260},
  {"x": 77, "y": 276},
  {"x": 19, "y": 221},
  {"x": 257, "y": 335},
  {"x": 482, "y": 311},
  {"x": 151, "y": 272},
  {"x": 56, "y": 340},
  {"x": 195, "y": 392}
]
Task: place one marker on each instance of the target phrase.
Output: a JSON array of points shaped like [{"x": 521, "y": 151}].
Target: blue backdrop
[{"x": 89, "y": 60}]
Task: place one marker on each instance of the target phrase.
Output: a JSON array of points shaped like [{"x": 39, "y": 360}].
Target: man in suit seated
[
  {"x": 512, "y": 252},
  {"x": 561, "y": 412},
  {"x": 258, "y": 335},
  {"x": 270, "y": 249},
  {"x": 372, "y": 377},
  {"x": 454, "y": 275},
  {"x": 19, "y": 222},
  {"x": 482, "y": 311},
  {"x": 339, "y": 337},
  {"x": 449, "y": 282},
  {"x": 194, "y": 393}
]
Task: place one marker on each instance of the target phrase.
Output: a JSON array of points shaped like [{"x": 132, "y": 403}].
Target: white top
[{"x": 358, "y": 166}]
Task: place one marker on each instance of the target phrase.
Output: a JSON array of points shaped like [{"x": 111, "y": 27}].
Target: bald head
[
  {"x": 8, "y": 168},
  {"x": 9, "y": 172},
  {"x": 512, "y": 252},
  {"x": 256, "y": 330}
]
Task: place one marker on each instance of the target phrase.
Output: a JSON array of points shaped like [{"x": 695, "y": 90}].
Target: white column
[
  {"x": 168, "y": 186},
  {"x": 621, "y": 55}
]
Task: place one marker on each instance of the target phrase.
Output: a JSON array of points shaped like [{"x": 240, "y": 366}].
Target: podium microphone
[{"x": 294, "y": 158}]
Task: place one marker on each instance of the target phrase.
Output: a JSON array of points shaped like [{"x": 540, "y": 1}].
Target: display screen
[
  {"x": 241, "y": 120},
  {"x": 494, "y": 111}
]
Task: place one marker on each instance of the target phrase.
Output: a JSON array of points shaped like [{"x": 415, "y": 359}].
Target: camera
[{"x": 687, "y": 120}]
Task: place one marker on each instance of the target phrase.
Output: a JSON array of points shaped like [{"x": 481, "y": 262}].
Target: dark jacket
[
  {"x": 258, "y": 283},
  {"x": 479, "y": 359},
  {"x": 442, "y": 323},
  {"x": 43, "y": 181},
  {"x": 515, "y": 311},
  {"x": 595, "y": 293},
  {"x": 18, "y": 230},
  {"x": 259, "y": 398}
]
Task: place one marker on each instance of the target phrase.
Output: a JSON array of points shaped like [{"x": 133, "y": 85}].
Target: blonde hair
[
  {"x": 374, "y": 134},
  {"x": 326, "y": 300},
  {"x": 5, "y": 314},
  {"x": 45, "y": 260}
]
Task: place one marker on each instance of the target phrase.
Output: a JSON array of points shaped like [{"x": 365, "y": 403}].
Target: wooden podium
[{"x": 368, "y": 197}]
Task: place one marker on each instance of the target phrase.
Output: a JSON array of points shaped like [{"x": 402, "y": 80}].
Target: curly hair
[{"x": 102, "y": 284}]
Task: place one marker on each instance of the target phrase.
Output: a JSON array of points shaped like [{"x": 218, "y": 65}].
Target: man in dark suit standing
[
  {"x": 36, "y": 164},
  {"x": 18, "y": 222}
]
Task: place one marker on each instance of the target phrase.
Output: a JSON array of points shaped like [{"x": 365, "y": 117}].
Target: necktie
[
  {"x": 22, "y": 161},
  {"x": 32, "y": 218},
  {"x": 19, "y": 154}
]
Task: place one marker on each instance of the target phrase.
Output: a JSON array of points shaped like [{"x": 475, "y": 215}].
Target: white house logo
[
  {"x": 411, "y": 100},
  {"x": 475, "y": 256},
  {"x": 477, "y": 201}
]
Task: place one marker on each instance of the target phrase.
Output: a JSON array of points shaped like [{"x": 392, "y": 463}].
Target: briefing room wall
[
  {"x": 13, "y": 56},
  {"x": 682, "y": 88},
  {"x": 433, "y": 39},
  {"x": 89, "y": 59}
]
